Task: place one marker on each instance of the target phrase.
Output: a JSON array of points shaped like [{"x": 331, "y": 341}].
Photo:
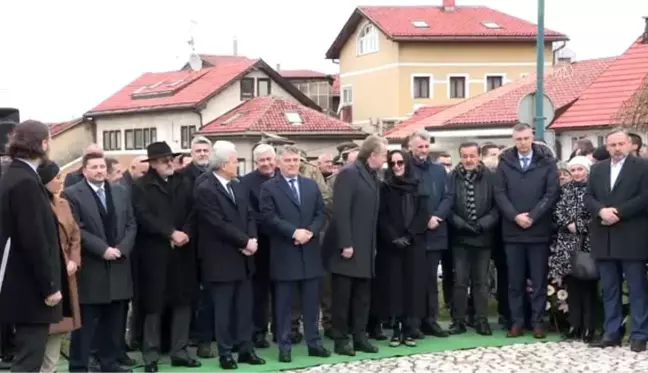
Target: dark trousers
[
  {"x": 354, "y": 294},
  {"x": 7, "y": 338},
  {"x": 471, "y": 268},
  {"x": 447, "y": 281},
  {"x": 498, "y": 254},
  {"x": 203, "y": 323},
  {"x": 611, "y": 272},
  {"x": 232, "y": 315},
  {"x": 432, "y": 302},
  {"x": 261, "y": 313},
  {"x": 180, "y": 324},
  {"x": 105, "y": 322},
  {"x": 536, "y": 256},
  {"x": 325, "y": 301},
  {"x": 30, "y": 341},
  {"x": 309, "y": 293},
  {"x": 582, "y": 302}
]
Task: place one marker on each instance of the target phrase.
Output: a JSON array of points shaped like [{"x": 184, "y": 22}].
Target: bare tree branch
[{"x": 634, "y": 112}]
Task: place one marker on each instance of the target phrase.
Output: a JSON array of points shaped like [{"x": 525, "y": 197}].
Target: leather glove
[{"x": 401, "y": 242}]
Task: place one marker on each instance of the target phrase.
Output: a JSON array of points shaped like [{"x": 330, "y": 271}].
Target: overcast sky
[{"x": 61, "y": 58}]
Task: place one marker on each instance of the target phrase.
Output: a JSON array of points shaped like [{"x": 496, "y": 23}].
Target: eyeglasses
[{"x": 396, "y": 163}]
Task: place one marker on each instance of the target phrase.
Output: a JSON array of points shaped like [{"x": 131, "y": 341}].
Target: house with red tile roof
[
  {"x": 618, "y": 97},
  {"x": 315, "y": 132},
  {"x": 395, "y": 58},
  {"x": 316, "y": 85},
  {"x": 69, "y": 138},
  {"x": 492, "y": 115}
]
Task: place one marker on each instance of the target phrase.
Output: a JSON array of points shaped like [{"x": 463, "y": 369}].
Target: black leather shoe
[
  {"x": 483, "y": 328},
  {"x": 434, "y": 329},
  {"x": 572, "y": 333},
  {"x": 418, "y": 334},
  {"x": 343, "y": 348},
  {"x": 204, "y": 351},
  {"x": 605, "y": 343},
  {"x": 250, "y": 358},
  {"x": 260, "y": 341},
  {"x": 365, "y": 346},
  {"x": 151, "y": 368},
  {"x": 227, "y": 362},
  {"x": 457, "y": 328},
  {"x": 637, "y": 346},
  {"x": 116, "y": 369},
  {"x": 588, "y": 336},
  {"x": 187, "y": 363},
  {"x": 319, "y": 351},
  {"x": 285, "y": 356}
]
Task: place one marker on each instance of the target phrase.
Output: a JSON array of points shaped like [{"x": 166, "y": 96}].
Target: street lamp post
[{"x": 540, "y": 51}]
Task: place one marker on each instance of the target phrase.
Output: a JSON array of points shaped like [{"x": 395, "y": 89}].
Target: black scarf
[{"x": 469, "y": 178}]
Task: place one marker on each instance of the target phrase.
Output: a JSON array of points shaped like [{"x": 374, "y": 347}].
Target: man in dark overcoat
[
  {"x": 226, "y": 244},
  {"x": 617, "y": 198},
  {"x": 351, "y": 241},
  {"x": 292, "y": 211},
  {"x": 163, "y": 205},
  {"x": 30, "y": 300},
  {"x": 105, "y": 215}
]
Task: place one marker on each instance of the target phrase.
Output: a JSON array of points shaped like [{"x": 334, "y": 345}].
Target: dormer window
[
  {"x": 420, "y": 24},
  {"x": 491, "y": 25},
  {"x": 294, "y": 118},
  {"x": 368, "y": 40}
]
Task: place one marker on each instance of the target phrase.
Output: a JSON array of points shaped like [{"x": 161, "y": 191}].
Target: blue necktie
[
  {"x": 101, "y": 193},
  {"x": 525, "y": 163},
  {"x": 294, "y": 189}
]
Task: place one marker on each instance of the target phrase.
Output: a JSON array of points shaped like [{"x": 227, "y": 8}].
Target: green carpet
[{"x": 302, "y": 360}]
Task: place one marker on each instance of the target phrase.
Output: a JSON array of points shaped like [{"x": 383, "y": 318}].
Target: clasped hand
[
  {"x": 402, "y": 242},
  {"x": 434, "y": 222},
  {"x": 251, "y": 248},
  {"x": 524, "y": 220},
  {"x": 302, "y": 236},
  {"x": 609, "y": 215},
  {"x": 179, "y": 238}
]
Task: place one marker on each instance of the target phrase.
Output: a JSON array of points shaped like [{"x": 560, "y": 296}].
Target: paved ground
[{"x": 554, "y": 357}]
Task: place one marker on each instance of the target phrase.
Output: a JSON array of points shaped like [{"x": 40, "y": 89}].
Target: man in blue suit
[{"x": 292, "y": 210}]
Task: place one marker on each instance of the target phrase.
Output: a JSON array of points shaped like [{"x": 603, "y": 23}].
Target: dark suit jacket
[
  {"x": 31, "y": 266},
  {"x": 102, "y": 281},
  {"x": 224, "y": 228},
  {"x": 282, "y": 214},
  {"x": 627, "y": 239},
  {"x": 73, "y": 178}
]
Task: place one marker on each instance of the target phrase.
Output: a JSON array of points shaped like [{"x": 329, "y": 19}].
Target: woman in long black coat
[{"x": 400, "y": 263}]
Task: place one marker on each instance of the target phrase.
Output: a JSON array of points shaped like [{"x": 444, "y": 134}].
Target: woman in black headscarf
[{"x": 400, "y": 263}]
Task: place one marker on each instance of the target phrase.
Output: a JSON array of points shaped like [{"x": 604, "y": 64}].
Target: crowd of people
[{"x": 201, "y": 253}]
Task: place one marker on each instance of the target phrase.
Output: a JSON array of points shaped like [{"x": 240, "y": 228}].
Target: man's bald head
[
  {"x": 325, "y": 163},
  {"x": 138, "y": 167},
  {"x": 93, "y": 149}
]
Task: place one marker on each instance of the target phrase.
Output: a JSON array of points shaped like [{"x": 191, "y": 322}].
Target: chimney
[
  {"x": 645, "y": 34},
  {"x": 449, "y": 5},
  {"x": 278, "y": 67},
  {"x": 235, "y": 47}
]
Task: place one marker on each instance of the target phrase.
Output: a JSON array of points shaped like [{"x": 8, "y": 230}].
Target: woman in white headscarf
[{"x": 572, "y": 219}]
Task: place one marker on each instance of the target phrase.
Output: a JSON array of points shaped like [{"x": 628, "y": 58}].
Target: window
[
  {"x": 140, "y": 138},
  {"x": 241, "y": 167},
  {"x": 263, "y": 87},
  {"x": 112, "y": 140},
  {"x": 420, "y": 24},
  {"x": 421, "y": 87},
  {"x": 368, "y": 40},
  {"x": 247, "y": 88},
  {"x": 491, "y": 25},
  {"x": 294, "y": 118},
  {"x": 574, "y": 141},
  {"x": 186, "y": 134},
  {"x": 457, "y": 87},
  {"x": 347, "y": 96},
  {"x": 494, "y": 81},
  {"x": 600, "y": 140}
]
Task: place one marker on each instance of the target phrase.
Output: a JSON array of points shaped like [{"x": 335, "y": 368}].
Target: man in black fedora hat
[{"x": 163, "y": 202}]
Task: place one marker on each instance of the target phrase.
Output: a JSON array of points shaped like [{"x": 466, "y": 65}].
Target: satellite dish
[{"x": 195, "y": 62}]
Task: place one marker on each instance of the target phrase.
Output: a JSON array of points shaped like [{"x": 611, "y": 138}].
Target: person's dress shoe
[
  {"x": 515, "y": 332},
  {"x": 151, "y": 368},
  {"x": 364, "y": 346},
  {"x": 318, "y": 351},
  {"x": 539, "y": 333},
  {"x": 250, "y": 358},
  {"x": 260, "y": 341},
  {"x": 607, "y": 342},
  {"x": 418, "y": 334},
  {"x": 434, "y": 329},
  {"x": 227, "y": 362},
  {"x": 457, "y": 328},
  {"x": 204, "y": 351},
  {"x": 285, "y": 356},
  {"x": 588, "y": 336},
  {"x": 185, "y": 362},
  {"x": 483, "y": 328},
  {"x": 572, "y": 333},
  {"x": 637, "y": 346},
  {"x": 344, "y": 348}
]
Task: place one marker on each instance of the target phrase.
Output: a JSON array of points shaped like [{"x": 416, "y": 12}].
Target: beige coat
[{"x": 70, "y": 236}]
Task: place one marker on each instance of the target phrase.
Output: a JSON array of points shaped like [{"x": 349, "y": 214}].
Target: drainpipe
[{"x": 539, "y": 95}]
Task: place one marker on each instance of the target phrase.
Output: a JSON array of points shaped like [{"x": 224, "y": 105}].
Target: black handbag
[{"x": 583, "y": 266}]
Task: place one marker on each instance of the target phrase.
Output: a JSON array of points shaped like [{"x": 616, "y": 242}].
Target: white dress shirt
[
  {"x": 615, "y": 170},
  {"x": 528, "y": 156},
  {"x": 224, "y": 182}
]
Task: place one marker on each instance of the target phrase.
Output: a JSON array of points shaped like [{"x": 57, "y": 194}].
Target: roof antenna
[{"x": 195, "y": 62}]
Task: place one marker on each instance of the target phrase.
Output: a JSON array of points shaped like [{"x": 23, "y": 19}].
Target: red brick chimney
[{"x": 449, "y": 5}]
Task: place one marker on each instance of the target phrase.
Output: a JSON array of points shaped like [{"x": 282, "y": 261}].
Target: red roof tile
[
  {"x": 268, "y": 114},
  {"x": 294, "y": 74},
  {"x": 213, "y": 59},
  {"x": 58, "y": 128},
  {"x": 420, "y": 114},
  {"x": 604, "y": 102},
  {"x": 465, "y": 23},
  {"x": 563, "y": 85},
  {"x": 336, "y": 85},
  {"x": 186, "y": 88}
]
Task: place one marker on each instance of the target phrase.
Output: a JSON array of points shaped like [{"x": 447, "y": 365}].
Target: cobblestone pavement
[{"x": 554, "y": 357}]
